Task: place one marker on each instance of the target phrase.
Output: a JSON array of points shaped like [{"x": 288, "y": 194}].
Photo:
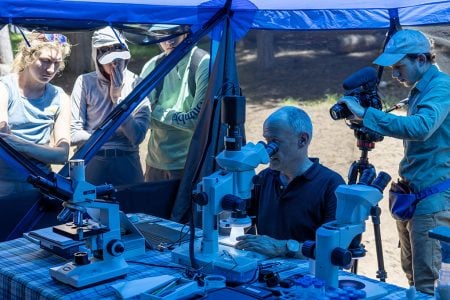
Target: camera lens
[{"x": 339, "y": 111}]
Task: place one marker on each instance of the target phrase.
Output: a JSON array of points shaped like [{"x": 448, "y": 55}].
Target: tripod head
[{"x": 365, "y": 140}]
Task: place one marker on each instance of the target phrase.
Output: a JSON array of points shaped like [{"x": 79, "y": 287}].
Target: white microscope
[
  {"x": 228, "y": 189},
  {"x": 334, "y": 240},
  {"x": 104, "y": 260}
]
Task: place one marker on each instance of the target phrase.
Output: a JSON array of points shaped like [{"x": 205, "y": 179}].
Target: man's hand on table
[{"x": 262, "y": 244}]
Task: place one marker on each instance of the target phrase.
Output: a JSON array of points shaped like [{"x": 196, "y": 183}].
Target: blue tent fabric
[{"x": 280, "y": 15}]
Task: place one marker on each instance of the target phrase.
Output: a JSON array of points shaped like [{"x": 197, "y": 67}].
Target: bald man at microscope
[{"x": 295, "y": 195}]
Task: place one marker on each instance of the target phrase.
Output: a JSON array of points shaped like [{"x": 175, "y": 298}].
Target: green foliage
[
  {"x": 331, "y": 98},
  {"x": 139, "y": 52},
  {"x": 143, "y": 52},
  {"x": 15, "y": 38},
  {"x": 290, "y": 101},
  {"x": 388, "y": 100}
]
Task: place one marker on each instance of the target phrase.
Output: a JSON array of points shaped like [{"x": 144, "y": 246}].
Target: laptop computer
[{"x": 164, "y": 234}]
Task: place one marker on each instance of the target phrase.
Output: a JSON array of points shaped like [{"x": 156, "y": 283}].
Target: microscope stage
[{"x": 78, "y": 233}]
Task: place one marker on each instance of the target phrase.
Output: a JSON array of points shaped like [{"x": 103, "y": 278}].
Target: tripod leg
[
  {"x": 354, "y": 268},
  {"x": 353, "y": 173},
  {"x": 375, "y": 212}
]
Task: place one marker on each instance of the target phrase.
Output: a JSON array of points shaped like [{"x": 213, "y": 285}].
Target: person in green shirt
[
  {"x": 176, "y": 104},
  {"x": 425, "y": 132}
]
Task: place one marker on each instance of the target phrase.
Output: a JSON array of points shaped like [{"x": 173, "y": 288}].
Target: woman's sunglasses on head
[{"x": 53, "y": 37}]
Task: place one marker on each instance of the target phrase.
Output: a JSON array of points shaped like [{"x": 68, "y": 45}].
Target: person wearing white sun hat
[{"x": 94, "y": 96}]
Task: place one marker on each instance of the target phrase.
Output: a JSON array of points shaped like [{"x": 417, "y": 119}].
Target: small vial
[
  {"x": 303, "y": 287},
  {"x": 299, "y": 289},
  {"x": 342, "y": 294},
  {"x": 332, "y": 295},
  {"x": 319, "y": 287},
  {"x": 360, "y": 294},
  {"x": 307, "y": 286}
]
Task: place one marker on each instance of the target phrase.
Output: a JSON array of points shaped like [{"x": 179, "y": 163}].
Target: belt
[{"x": 113, "y": 152}]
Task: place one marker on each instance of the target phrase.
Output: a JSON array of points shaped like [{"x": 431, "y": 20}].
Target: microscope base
[
  {"x": 236, "y": 265},
  {"x": 96, "y": 272}
]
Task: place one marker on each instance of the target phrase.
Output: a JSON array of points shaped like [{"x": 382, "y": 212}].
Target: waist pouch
[{"x": 402, "y": 203}]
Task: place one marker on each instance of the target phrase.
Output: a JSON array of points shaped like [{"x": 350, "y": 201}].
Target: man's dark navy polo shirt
[{"x": 297, "y": 210}]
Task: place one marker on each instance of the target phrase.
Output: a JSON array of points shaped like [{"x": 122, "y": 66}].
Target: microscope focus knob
[
  {"x": 81, "y": 258},
  {"x": 341, "y": 257},
  {"x": 116, "y": 247},
  {"x": 200, "y": 198},
  {"x": 308, "y": 249}
]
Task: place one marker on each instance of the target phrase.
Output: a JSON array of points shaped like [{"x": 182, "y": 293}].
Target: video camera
[{"x": 363, "y": 86}]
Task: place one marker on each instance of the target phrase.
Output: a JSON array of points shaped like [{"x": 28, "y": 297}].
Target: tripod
[{"x": 366, "y": 141}]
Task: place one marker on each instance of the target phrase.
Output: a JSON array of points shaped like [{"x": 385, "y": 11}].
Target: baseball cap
[
  {"x": 403, "y": 42},
  {"x": 110, "y": 45}
]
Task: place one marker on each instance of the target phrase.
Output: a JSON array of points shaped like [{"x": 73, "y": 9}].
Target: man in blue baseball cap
[{"x": 425, "y": 130}]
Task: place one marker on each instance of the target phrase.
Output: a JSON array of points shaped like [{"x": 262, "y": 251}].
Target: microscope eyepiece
[
  {"x": 367, "y": 176},
  {"x": 271, "y": 147},
  {"x": 381, "y": 181}
]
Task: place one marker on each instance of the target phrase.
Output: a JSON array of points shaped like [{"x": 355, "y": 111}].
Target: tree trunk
[
  {"x": 6, "y": 55},
  {"x": 265, "y": 49},
  {"x": 80, "y": 60}
]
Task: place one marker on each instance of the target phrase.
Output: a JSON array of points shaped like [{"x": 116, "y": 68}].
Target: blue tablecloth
[{"x": 24, "y": 274}]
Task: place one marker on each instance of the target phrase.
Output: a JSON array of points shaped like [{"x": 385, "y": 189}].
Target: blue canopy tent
[
  {"x": 226, "y": 22},
  {"x": 259, "y": 14}
]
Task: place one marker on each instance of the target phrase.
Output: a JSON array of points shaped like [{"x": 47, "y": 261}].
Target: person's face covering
[{"x": 115, "y": 70}]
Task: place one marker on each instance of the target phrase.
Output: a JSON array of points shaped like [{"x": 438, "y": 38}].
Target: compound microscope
[
  {"x": 227, "y": 190},
  {"x": 103, "y": 259},
  {"x": 335, "y": 240}
]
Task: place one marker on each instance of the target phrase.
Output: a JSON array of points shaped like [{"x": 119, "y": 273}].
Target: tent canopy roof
[{"x": 260, "y": 14}]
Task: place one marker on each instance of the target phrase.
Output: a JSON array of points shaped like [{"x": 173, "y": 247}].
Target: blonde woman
[{"x": 32, "y": 110}]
